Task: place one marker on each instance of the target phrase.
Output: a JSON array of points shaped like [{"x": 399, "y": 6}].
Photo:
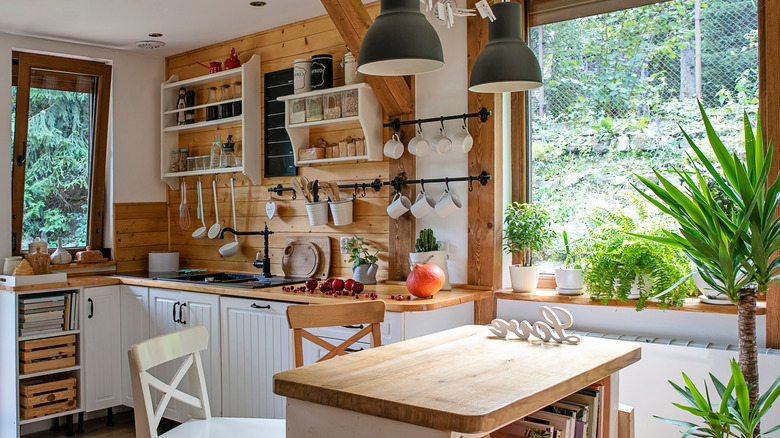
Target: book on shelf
[
  {"x": 41, "y": 307},
  {"x": 578, "y": 411},
  {"x": 563, "y": 424},
  {"x": 525, "y": 429},
  {"x": 41, "y": 315},
  {"x": 591, "y": 398},
  {"x": 41, "y": 299},
  {"x": 40, "y": 330},
  {"x": 42, "y": 322}
]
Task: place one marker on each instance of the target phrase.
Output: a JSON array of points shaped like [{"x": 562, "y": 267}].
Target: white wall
[
  {"x": 444, "y": 93},
  {"x": 133, "y": 156}
]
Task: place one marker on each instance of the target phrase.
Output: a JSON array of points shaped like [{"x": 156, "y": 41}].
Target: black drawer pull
[
  {"x": 255, "y": 306},
  {"x": 352, "y": 350},
  {"x": 91, "y": 308},
  {"x": 358, "y": 327},
  {"x": 181, "y": 318},
  {"x": 174, "y": 311}
]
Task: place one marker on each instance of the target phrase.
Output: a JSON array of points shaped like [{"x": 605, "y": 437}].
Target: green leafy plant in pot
[
  {"x": 622, "y": 266},
  {"x": 568, "y": 277},
  {"x": 364, "y": 267},
  {"x": 736, "y": 251},
  {"x": 427, "y": 251},
  {"x": 527, "y": 230}
]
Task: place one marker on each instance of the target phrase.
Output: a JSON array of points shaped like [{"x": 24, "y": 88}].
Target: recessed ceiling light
[
  {"x": 257, "y": 4},
  {"x": 149, "y": 44},
  {"x": 155, "y": 35}
]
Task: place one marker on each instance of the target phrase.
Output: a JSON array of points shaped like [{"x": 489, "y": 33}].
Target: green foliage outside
[
  {"x": 56, "y": 196},
  {"x": 617, "y": 85}
]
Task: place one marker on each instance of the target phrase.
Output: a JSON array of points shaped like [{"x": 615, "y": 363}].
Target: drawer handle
[
  {"x": 352, "y": 350},
  {"x": 174, "y": 311},
  {"x": 181, "y": 318},
  {"x": 358, "y": 327},
  {"x": 255, "y": 306},
  {"x": 91, "y": 308}
]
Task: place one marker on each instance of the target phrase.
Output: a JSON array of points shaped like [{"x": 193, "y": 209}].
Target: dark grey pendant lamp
[
  {"x": 506, "y": 63},
  {"x": 400, "y": 42}
]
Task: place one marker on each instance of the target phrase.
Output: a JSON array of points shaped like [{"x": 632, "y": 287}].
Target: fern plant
[
  {"x": 618, "y": 261},
  {"x": 527, "y": 230}
]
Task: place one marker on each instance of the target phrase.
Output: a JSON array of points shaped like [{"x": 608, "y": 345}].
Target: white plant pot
[
  {"x": 705, "y": 288},
  {"x": 438, "y": 258},
  {"x": 524, "y": 278},
  {"x": 634, "y": 293},
  {"x": 569, "y": 278}
]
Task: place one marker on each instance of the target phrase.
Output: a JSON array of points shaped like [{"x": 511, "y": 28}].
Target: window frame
[{"x": 97, "y": 178}]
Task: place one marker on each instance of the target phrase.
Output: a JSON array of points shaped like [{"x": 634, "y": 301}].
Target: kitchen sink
[{"x": 234, "y": 279}]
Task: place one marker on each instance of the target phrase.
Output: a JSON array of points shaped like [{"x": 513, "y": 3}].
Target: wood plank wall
[
  {"x": 278, "y": 48},
  {"x": 138, "y": 229}
]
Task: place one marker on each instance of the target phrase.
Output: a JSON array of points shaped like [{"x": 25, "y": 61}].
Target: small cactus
[{"x": 426, "y": 242}]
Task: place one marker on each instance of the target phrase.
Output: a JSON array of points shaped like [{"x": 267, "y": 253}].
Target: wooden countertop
[
  {"x": 464, "y": 379},
  {"x": 551, "y": 296},
  {"x": 459, "y": 294}
]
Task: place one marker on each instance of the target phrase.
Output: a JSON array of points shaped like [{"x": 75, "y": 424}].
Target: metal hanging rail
[
  {"x": 396, "y": 123},
  {"x": 396, "y": 183}
]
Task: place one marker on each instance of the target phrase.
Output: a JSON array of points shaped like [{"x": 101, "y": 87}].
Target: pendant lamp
[
  {"x": 506, "y": 63},
  {"x": 400, "y": 42}
]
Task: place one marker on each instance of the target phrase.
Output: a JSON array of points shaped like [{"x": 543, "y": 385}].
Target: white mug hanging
[{"x": 270, "y": 209}]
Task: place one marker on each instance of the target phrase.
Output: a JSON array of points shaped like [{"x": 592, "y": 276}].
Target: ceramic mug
[
  {"x": 423, "y": 205},
  {"x": 463, "y": 140},
  {"x": 441, "y": 143},
  {"x": 394, "y": 148},
  {"x": 448, "y": 204},
  {"x": 399, "y": 206},
  {"x": 418, "y": 145}
]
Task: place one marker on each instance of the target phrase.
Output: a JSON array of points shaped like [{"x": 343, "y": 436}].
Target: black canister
[{"x": 321, "y": 72}]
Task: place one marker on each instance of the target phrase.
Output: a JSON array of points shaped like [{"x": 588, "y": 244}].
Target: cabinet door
[
  {"x": 256, "y": 344},
  {"x": 164, "y": 309},
  {"x": 102, "y": 367},
  {"x": 203, "y": 309},
  {"x": 135, "y": 328}
]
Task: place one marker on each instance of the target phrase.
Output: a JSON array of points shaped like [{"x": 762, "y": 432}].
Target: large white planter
[
  {"x": 569, "y": 279},
  {"x": 705, "y": 288},
  {"x": 524, "y": 278},
  {"x": 438, "y": 258}
]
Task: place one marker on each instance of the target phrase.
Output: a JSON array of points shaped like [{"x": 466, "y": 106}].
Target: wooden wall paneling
[
  {"x": 484, "y": 217},
  {"x": 402, "y": 230},
  {"x": 138, "y": 229},
  {"x": 769, "y": 106}
]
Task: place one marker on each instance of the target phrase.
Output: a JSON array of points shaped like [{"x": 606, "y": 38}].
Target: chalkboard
[{"x": 279, "y": 159}]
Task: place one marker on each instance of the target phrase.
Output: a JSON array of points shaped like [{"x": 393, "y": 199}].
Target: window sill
[{"x": 551, "y": 296}]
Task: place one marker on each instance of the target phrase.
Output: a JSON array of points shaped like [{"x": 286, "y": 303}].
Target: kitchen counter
[{"x": 458, "y": 295}]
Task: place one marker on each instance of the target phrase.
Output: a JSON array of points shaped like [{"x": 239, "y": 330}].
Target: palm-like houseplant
[
  {"x": 527, "y": 230},
  {"x": 735, "y": 251}
]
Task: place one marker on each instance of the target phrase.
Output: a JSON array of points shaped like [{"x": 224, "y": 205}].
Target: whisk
[{"x": 184, "y": 211}]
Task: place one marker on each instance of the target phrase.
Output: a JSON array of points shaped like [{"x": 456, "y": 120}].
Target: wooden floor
[{"x": 123, "y": 428}]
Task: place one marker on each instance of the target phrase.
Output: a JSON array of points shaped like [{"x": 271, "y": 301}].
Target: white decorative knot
[{"x": 551, "y": 329}]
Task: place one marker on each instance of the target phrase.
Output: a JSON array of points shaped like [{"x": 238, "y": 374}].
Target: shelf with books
[{"x": 48, "y": 314}]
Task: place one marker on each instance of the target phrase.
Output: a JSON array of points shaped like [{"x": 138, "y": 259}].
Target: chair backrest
[
  {"x": 187, "y": 344},
  {"x": 301, "y": 317}
]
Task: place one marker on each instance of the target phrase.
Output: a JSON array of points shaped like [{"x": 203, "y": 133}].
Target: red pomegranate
[{"x": 425, "y": 280}]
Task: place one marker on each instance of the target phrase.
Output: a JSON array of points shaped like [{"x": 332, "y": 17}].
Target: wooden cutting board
[{"x": 299, "y": 260}]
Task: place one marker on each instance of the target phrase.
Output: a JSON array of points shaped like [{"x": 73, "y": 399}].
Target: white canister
[
  {"x": 10, "y": 264},
  {"x": 351, "y": 75},
  {"x": 39, "y": 245},
  {"x": 301, "y": 76},
  {"x": 163, "y": 261}
]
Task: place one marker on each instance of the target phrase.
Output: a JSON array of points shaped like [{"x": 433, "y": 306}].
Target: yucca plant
[
  {"x": 734, "y": 249},
  {"x": 733, "y": 416}
]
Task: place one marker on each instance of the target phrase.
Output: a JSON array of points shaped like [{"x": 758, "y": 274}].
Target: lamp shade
[
  {"x": 400, "y": 42},
  {"x": 506, "y": 63}
]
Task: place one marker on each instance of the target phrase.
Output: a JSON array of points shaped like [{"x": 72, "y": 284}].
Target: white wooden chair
[
  {"x": 302, "y": 317},
  {"x": 186, "y": 344}
]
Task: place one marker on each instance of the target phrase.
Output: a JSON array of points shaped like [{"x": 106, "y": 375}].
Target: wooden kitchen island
[{"x": 464, "y": 383}]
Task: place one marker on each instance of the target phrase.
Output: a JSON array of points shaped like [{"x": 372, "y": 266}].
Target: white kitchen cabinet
[
  {"x": 171, "y": 310},
  {"x": 102, "y": 351},
  {"x": 256, "y": 344},
  {"x": 135, "y": 328}
]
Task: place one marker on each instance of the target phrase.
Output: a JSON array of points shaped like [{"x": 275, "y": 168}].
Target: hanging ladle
[
  {"x": 231, "y": 249},
  {"x": 200, "y": 233},
  {"x": 217, "y": 227}
]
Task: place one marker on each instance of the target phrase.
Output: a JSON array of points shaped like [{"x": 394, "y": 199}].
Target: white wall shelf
[
  {"x": 369, "y": 118},
  {"x": 249, "y": 120}
]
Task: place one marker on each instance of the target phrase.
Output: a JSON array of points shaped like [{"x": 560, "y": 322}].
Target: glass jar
[
  {"x": 228, "y": 157},
  {"x": 332, "y": 106},
  {"x": 297, "y": 111},
  {"x": 351, "y": 75},
  {"x": 174, "y": 167},
  {"x": 212, "y": 112},
  {"x": 349, "y": 103},
  {"x": 236, "y": 95},
  {"x": 192, "y": 164},
  {"x": 225, "y": 109},
  {"x": 216, "y": 147},
  {"x": 313, "y": 108},
  {"x": 183, "y": 155}
]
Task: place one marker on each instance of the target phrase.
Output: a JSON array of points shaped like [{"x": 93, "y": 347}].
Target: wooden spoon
[
  {"x": 334, "y": 188},
  {"x": 296, "y": 185}
]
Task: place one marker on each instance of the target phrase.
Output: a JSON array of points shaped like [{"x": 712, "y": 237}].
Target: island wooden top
[{"x": 464, "y": 379}]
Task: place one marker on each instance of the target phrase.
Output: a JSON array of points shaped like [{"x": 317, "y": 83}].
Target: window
[
  {"x": 59, "y": 150},
  {"x": 616, "y": 85}
]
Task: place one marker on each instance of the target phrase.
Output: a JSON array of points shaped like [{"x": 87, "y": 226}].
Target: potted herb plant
[
  {"x": 736, "y": 252},
  {"x": 427, "y": 251},
  {"x": 364, "y": 267},
  {"x": 622, "y": 266},
  {"x": 527, "y": 230},
  {"x": 568, "y": 276}
]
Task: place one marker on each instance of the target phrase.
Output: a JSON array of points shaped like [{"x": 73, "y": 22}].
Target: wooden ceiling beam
[{"x": 352, "y": 21}]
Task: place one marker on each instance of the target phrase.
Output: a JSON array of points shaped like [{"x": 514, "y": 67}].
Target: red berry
[
  {"x": 400, "y": 298},
  {"x": 311, "y": 284},
  {"x": 357, "y": 297},
  {"x": 338, "y": 284},
  {"x": 348, "y": 284},
  {"x": 357, "y": 287},
  {"x": 408, "y": 297},
  {"x": 325, "y": 287}
]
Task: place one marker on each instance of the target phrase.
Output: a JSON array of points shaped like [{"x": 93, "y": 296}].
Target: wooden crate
[
  {"x": 47, "y": 354},
  {"x": 47, "y": 395}
]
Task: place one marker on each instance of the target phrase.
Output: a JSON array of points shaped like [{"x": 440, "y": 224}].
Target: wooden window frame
[{"x": 97, "y": 184}]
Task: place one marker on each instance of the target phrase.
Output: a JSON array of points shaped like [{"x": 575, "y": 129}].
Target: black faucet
[{"x": 264, "y": 264}]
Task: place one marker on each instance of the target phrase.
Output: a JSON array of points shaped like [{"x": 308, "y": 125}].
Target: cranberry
[{"x": 357, "y": 287}]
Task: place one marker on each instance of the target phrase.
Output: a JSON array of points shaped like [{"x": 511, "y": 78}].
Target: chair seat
[{"x": 226, "y": 427}]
